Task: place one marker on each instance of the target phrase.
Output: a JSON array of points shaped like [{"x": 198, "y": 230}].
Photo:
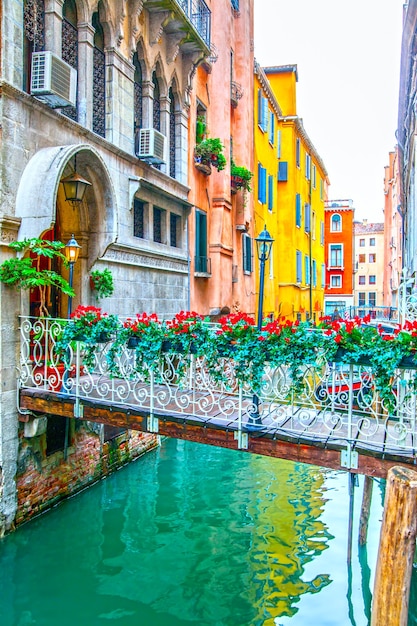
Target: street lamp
[
  {"x": 264, "y": 243},
  {"x": 75, "y": 187},
  {"x": 72, "y": 250}
]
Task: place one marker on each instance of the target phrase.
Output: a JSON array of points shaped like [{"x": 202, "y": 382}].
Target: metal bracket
[
  {"x": 349, "y": 458},
  {"x": 152, "y": 424},
  {"x": 242, "y": 439},
  {"x": 78, "y": 410}
]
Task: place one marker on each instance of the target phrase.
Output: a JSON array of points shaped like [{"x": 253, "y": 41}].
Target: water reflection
[{"x": 189, "y": 534}]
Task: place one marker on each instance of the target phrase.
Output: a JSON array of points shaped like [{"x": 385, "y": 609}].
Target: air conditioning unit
[
  {"x": 52, "y": 80},
  {"x": 150, "y": 145}
]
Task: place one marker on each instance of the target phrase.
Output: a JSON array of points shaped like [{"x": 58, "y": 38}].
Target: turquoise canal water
[{"x": 195, "y": 535}]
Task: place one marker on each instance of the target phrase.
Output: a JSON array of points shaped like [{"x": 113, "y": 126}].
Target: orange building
[
  {"x": 221, "y": 229},
  {"x": 339, "y": 256}
]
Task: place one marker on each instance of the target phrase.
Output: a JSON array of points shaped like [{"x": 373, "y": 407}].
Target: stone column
[
  {"x": 53, "y": 26},
  {"x": 85, "y": 74},
  {"x": 119, "y": 100},
  {"x": 9, "y": 326}
]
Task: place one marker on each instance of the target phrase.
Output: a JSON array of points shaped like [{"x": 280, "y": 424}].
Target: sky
[{"x": 348, "y": 60}]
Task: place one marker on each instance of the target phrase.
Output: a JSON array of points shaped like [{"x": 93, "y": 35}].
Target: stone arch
[{"x": 40, "y": 199}]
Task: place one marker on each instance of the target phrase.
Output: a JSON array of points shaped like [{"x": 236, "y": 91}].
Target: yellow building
[{"x": 290, "y": 187}]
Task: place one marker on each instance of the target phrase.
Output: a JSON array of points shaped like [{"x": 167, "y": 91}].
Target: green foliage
[
  {"x": 210, "y": 150},
  {"x": 243, "y": 173},
  {"x": 26, "y": 273},
  {"x": 102, "y": 283},
  {"x": 201, "y": 129}
]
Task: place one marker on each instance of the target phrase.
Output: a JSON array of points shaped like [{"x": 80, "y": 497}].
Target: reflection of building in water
[{"x": 287, "y": 507}]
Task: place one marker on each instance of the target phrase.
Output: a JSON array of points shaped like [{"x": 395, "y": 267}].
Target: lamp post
[
  {"x": 72, "y": 250},
  {"x": 75, "y": 187},
  {"x": 264, "y": 243}
]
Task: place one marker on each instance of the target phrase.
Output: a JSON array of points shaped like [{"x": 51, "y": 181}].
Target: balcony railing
[
  {"x": 199, "y": 15},
  {"x": 338, "y": 404}
]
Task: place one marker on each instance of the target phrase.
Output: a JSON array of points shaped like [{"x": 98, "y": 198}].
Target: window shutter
[
  {"x": 261, "y": 184},
  {"x": 307, "y": 220},
  {"x": 270, "y": 192},
  {"x": 282, "y": 171},
  {"x": 298, "y": 210},
  {"x": 260, "y": 107},
  {"x": 264, "y": 123},
  {"x": 298, "y": 266},
  {"x": 247, "y": 253}
]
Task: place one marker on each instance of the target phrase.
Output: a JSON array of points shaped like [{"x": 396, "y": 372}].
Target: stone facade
[{"x": 135, "y": 61}]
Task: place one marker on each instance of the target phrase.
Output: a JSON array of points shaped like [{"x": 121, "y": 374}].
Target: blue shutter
[
  {"x": 270, "y": 192},
  {"x": 307, "y": 269},
  {"x": 264, "y": 122},
  {"x": 297, "y": 153},
  {"x": 298, "y": 210},
  {"x": 247, "y": 253},
  {"x": 307, "y": 211},
  {"x": 261, "y": 184},
  {"x": 271, "y": 127},
  {"x": 298, "y": 266},
  {"x": 260, "y": 107},
  {"x": 282, "y": 171},
  {"x": 314, "y": 268}
]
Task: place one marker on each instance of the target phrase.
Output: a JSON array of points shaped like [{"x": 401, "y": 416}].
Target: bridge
[{"x": 335, "y": 420}]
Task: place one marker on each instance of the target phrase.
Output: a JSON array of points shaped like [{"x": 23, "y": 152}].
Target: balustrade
[{"x": 328, "y": 402}]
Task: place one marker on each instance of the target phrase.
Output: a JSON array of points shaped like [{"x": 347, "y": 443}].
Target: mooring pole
[
  {"x": 352, "y": 480},
  {"x": 366, "y": 506},
  {"x": 396, "y": 549}
]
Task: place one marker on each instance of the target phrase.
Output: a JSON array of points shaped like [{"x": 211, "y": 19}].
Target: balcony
[{"x": 190, "y": 20}]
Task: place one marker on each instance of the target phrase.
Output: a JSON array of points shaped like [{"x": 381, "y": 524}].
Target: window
[
  {"x": 314, "y": 271},
  {"x": 261, "y": 184},
  {"x": 372, "y": 279},
  {"x": 361, "y": 280},
  {"x": 308, "y": 166},
  {"x": 372, "y": 258},
  {"x": 372, "y": 241},
  {"x": 138, "y": 219},
  {"x": 335, "y": 281},
  {"x": 307, "y": 216},
  {"x": 314, "y": 176},
  {"x": 362, "y": 258},
  {"x": 235, "y": 4},
  {"x": 298, "y": 267},
  {"x": 361, "y": 298},
  {"x": 174, "y": 230},
  {"x": 201, "y": 260},
  {"x": 99, "y": 78},
  {"x": 297, "y": 152},
  {"x": 372, "y": 298},
  {"x": 336, "y": 255},
  {"x": 247, "y": 253},
  {"x": 158, "y": 225},
  {"x": 336, "y": 223},
  {"x": 271, "y": 127},
  {"x": 137, "y": 94},
  {"x": 262, "y": 111},
  {"x": 69, "y": 44},
  {"x": 307, "y": 269},
  {"x": 362, "y": 243},
  {"x": 270, "y": 192},
  {"x": 298, "y": 210}
]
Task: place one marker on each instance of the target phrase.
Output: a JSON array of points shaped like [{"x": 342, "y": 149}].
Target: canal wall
[{"x": 45, "y": 476}]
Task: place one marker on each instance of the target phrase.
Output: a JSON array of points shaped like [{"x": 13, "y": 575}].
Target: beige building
[{"x": 369, "y": 267}]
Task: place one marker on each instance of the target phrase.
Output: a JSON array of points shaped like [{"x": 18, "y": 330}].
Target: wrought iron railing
[
  {"x": 199, "y": 15},
  {"x": 332, "y": 403}
]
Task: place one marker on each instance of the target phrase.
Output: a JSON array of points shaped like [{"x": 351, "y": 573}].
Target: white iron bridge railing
[{"x": 333, "y": 404}]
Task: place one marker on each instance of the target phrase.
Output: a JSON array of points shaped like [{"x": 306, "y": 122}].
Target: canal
[{"x": 195, "y": 535}]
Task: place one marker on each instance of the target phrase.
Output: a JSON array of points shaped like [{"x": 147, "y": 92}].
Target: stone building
[{"x": 102, "y": 89}]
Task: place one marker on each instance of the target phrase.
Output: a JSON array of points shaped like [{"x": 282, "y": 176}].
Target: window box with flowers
[
  {"x": 88, "y": 324},
  {"x": 208, "y": 153},
  {"x": 240, "y": 178}
]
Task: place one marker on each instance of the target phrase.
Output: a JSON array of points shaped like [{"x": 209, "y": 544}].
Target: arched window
[
  {"x": 70, "y": 44},
  {"x": 156, "y": 103},
  {"x": 172, "y": 135},
  {"x": 34, "y": 35},
  {"x": 336, "y": 223},
  {"x": 137, "y": 93},
  {"x": 99, "y": 78}
]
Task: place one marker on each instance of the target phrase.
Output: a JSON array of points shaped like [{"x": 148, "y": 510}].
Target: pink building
[
  {"x": 221, "y": 229},
  {"x": 393, "y": 234}
]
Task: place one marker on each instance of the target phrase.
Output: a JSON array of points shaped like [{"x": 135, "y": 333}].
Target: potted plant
[
  {"x": 240, "y": 177},
  {"x": 188, "y": 332},
  {"x": 91, "y": 326},
  {"x": 209, "y": 152},
  {"x": 101, "y": 281},
  {"x": 28, "y": 273}
]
